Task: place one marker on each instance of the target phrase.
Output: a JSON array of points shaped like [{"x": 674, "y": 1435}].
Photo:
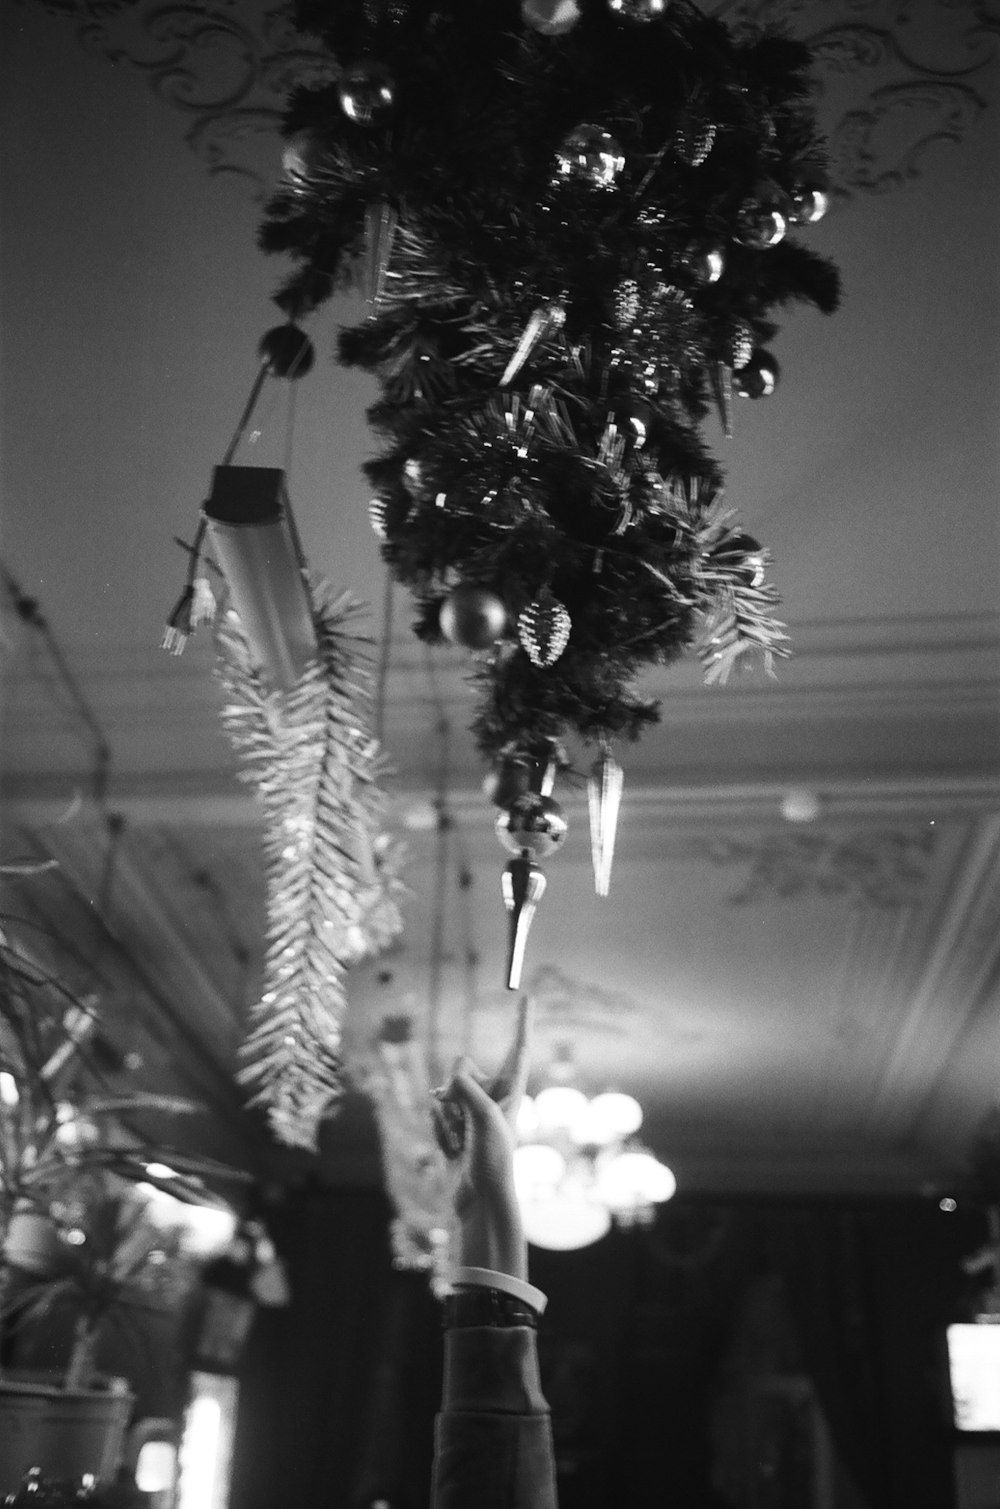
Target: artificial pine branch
[
  {"x": 579, "y": 470},
  {"x": 332, "y": 874}
]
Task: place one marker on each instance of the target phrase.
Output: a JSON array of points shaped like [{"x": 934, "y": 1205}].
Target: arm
[{"x": 493, "y": 1440}]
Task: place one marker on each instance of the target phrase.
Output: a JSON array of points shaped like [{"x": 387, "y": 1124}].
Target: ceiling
[{"x": 800, "y": 1005}]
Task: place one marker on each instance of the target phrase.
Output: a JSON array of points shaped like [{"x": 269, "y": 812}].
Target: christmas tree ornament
[
  {"x": 705, "y": 263},
  {"x": 694, "y": 136},
  {"x": 638, "y": 10},
  {"x": 626, "y": 304},
  {"x": 763, "y": 220},
  {"x": 367, "y": 92},
  {"x": 589, "y": 156},
  {"x": 522, "y": 886},
  {"x": 378, "y": 510},
  {"x": 758, "y": 377},
  {"x": 532, "y": 824},
  {"x": 286, "y": 351},
  {"x": 543, "y": 628},
  {"x": 473, "y": 617},
  {"x": 414, "y": 479},
  {"x": 381, "y": 223},
  {"x": 552, "y": 18},
  {"x": 604, "y": 794},
  {"x": 810, "y": 196},
  {"x": 741, "y": 344},
  {"x": 721, "y": 378},
  {"x": 544, "y": 322}
]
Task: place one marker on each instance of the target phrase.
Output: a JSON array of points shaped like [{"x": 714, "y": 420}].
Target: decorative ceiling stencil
[
  {"x": 900, "y": 78},
  {"x": 886, "y": 869}
]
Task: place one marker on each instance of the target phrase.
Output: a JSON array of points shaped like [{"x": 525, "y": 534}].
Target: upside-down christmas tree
[{"x": 574, "y": 220}]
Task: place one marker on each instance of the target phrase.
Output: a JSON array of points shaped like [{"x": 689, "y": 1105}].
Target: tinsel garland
[
  {"x": 332, "y": 873},
  {"x": 572, "y": 237}
]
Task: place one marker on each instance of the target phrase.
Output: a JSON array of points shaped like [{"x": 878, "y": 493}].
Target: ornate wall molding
[{"x": 898, "y": 77}]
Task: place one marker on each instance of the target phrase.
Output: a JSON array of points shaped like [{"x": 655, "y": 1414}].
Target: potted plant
[{"x": 83, "y": 1245}]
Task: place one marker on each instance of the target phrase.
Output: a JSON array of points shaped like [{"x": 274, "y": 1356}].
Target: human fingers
[{"x": 511, "y": 1080}]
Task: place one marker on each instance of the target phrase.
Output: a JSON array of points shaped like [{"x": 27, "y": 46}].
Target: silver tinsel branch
[{"x": 333, "y": 883}]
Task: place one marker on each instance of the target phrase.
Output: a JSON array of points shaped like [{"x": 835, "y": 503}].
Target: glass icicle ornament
[
  {"x": 589, "y": 156},
  {"x": 543, "y": 628},
  {"x": 545, "y": 321},
  {"x": 522, "y": 887},
  {"x": 381, "y": 223},
  {"x": 604, "y": 793}
]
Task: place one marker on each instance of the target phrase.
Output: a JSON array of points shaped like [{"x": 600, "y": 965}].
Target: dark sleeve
[{"x": 493, "y": 1439}]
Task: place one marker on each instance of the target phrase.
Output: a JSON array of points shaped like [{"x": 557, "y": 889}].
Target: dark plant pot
[{"x": 66, "y": 1433}]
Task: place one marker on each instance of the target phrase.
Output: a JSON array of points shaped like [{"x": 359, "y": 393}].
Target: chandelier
[{"x": 579, "y": 1166}]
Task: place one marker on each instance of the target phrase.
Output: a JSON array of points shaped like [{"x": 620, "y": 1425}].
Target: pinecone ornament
[{"x": 543, "y": 628}]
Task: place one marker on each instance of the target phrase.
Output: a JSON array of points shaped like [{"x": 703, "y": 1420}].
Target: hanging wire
[
  {"x": 30, "y": 613},
  {"x": 451, "y": 847},
  {"x": 443, "y": 831}
]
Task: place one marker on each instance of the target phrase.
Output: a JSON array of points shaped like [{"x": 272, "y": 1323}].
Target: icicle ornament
[
  {"x": 545, "y": 321},
  {"x": 523, "y": 886},
  {"x": 604, "y": 794}
]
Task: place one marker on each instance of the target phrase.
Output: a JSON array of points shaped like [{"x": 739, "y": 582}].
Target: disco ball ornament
[
  {"x": 553, "y": 18},
  {"x": 287, "y": 351},
  {"x": 532, "y": 824},
  {"x": 637, "y": 10},
  {"x": 763, "y": 218},
  {"x": 758, "y": 377},
  {"x": 473, "y": 617},
  {"x": 590, "y": 156},
  {"x": 367, "y": 92},
  {"x": 810, "y": 197},
  {"x": 543, "y": 628}
]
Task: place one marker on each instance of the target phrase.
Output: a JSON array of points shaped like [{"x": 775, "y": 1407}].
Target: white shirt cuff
[{"x": 487, "y": 1278}]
